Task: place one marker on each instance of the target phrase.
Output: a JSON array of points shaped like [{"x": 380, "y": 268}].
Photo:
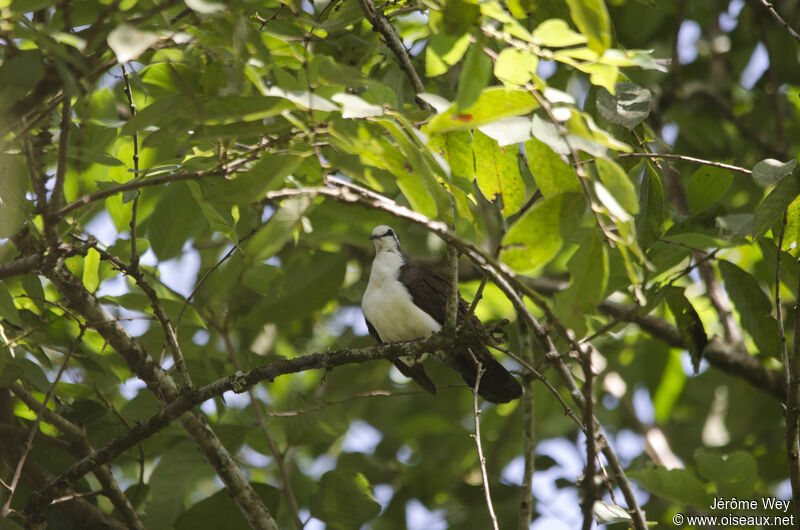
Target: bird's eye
[{"x": 390, "y": 232}]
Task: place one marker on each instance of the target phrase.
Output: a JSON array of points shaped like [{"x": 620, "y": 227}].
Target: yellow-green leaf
[
  {"x": 493, "y": 104},
  {"x": 618, "y": 184},
  {"x": 555, "y": 32},
  {"x": 515, "y": 67},
  {"x": 91, "y": 266},
  {"x": 591, "y": 17},
  {"x": 498, "y": 173}
]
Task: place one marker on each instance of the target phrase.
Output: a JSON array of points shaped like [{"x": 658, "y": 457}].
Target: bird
[{"x": 405, "y": 301}]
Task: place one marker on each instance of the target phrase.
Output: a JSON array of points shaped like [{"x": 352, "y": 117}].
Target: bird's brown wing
[
  {"x": 429, "y": 292},
  {"x": 415, "y": 371}
]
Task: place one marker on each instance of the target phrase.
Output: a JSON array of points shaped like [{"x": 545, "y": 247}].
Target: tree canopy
[{"x": 186, "y": 194}]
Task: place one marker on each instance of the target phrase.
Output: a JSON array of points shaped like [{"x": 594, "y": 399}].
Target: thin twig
[
  {"x": 685, "y": 158},
  {"x": 528, "y": 441},
  {"x": 35, "y": 427},
  {"x": 591, "y": 448},
  {"x": 790, "y": 409},
  {"x": 793, "y": 410},
  {"x": 779, "y": 308},
  {"x": 780, "y": 20},
  {"x": 135, "y": 206},
  {"x": 221, "y": 170},
  {"x": 476, "y": 413},
  {"x": 361, "y": 395},
  {"x": 209, "y": 272},
  {"x": 57, "y": 196}
]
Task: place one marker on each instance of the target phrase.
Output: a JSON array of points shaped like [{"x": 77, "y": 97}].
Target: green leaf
[
  {"x": 13, "y": 205},
  {"x": 689, "y": 324},
  {"x": 176, "y": 219},
  {"x": 33, "y": 287},
  {"x": 474, "y": 76},
  {"x": 7, "y": 308},
  {"x": 556, "y": 33},
  {"x": 591, "y": 17},
  {"x": 443, "y": 51},
  {"x": 128, "y": 42},
  {"x": 706, "y": 186},
  {"x": 588, "y": 272},
  {"x": 734, "y": 475},
  {"x": 754, "y": 308},
  {"x": 494, "y": 103},
  {"x": 343, "y": 500},
  {"x": 551, "y": 173},
  {"x": 617, "y": 182},
  {"x": 497, "y": 172},
  {"x": 536, "y": 237},
  {"x": 220, "y": 511},
  {"x": 271, "y": 237},
  {"x": 91, "y": 267},
  {"x": 19, "y": 74},
  {"x": 650, "y": 221},
  {"x": 791, "y": 234},
  {"x": 178, "y": 470},
  {"x": 771, "y": 209},
  {"x": 768, "y": 172},
  {"x": 670, "y": 386},
  {"x": 676, "y": 485},
  {"x": 515, "y": 67},
  {"x": 628, "y": 106},
  {"x": 262, "y": 278},
  {"x": 456, "y": 148},
  {"x": 458, "y": 16}
]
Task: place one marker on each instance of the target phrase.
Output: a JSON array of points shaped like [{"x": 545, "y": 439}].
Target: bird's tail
[
  {"x": 497, "y": 384},
  {"x": 417, "y": 373}
]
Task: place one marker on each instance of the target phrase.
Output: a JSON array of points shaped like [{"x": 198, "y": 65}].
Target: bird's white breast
[{"x": 388, "y": 305}]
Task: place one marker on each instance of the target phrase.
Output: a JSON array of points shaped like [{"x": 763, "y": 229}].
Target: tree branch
[
  {"x": 165, "y": 389},
  {"x": 22, "y": 265},
  {"x": 280, "y": 461},
  {"x": 727, "y": 357},
  {"x": 382, "y": 25},
  {"x": 81, "y": 443},
  {"x": 35, "y": 427},
  {"x": 239, "y": 383}
]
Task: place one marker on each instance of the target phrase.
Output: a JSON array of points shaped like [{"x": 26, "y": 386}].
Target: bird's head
[{"x": 385, "y": 239}]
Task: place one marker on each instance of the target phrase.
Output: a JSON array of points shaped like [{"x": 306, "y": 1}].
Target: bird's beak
[{"x": 371, "y": 238}]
